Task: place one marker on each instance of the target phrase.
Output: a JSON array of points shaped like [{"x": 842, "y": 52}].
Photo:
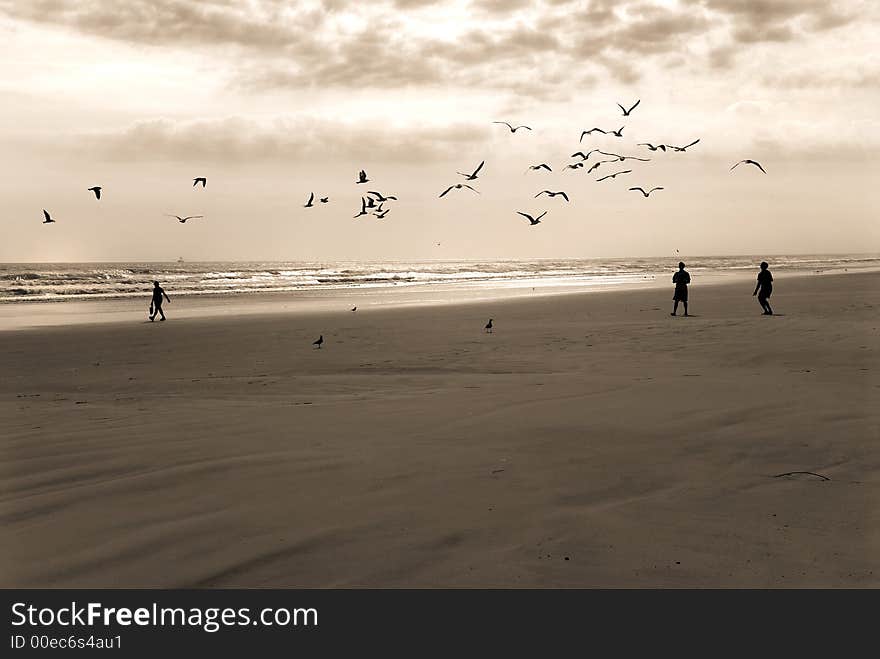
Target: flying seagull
[
  {"x": 458, "y": 186},
  {"x": 97, "y": 191},
  {"x": 618, "y": 132},
  {"x": 575, "y": 165},
  {"x": 48, "y": 219},
  {"x": 552, "y": 194},
  {"x": 590, "y": 132},
  {"x": 625, "y": 171},
  {"x": 183, "y": 220},
  {"x": 584, "y": 156},
  {"x": 363, "y": 208},
  {"x": 682, "y": 148},
  {"x": 473, "y": 175},
  {"x": 381, "y": 198},
  {"x": 309, "y": 203},
  {"x": 543, "y": 165},
  {"x": 596, "y": 165},
  {"x": 380, "y": 215},
  {"x": 512, "y": 128},
  {"x": 642, "y": 190},
  {"x": 319, "y": 342},
  {"x": 625, "y": 111},
  {"x": 532, "y": 220},
  {"x": 749, "y": 162},
  {"x": 362, "y": 177},
  {"x": 621, "y": 158},
  {"x": 324, "y": 200},
  {"x": 662, "y": 147},
  {"x": 371, "y": 203},
  {"x": 200, "y": 179}
]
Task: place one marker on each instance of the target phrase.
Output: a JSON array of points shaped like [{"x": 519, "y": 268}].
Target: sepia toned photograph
[{"x": 454, "y": 295}]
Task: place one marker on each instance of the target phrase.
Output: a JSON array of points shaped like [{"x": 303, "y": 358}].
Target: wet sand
[{"x": 592, "y": 440}]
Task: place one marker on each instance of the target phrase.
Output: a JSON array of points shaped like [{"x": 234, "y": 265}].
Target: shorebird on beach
[
  {"x": 319, "y": 342},
  {"x": 97, "y": 191},
  {"x": 748, "y": 162},
  {"x": 488, "y": 327}
]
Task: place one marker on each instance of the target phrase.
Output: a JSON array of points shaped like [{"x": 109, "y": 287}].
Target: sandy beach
[{"x": 590, "y": 441}]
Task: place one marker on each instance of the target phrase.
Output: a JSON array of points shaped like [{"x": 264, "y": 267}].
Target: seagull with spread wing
[
  {"x": 682, "y": 148},
  {"x": 183, "y": 220},
  {"x": 513, "y": 129},
  {"x": 473, "y": 175},
  {"x": 543, "y": 165},
  {"x": 532, "y": 220},
  {"x": 458, "y": 186},
  {"x": 614, "y": 175},
  {"x": 552, "y": 194},
  {"x": 625, "y": 111},
  {"x": 97, "y": 191},
  {"x": 648, "y": 193},
  {"x": 747, "y": 161},
  {"x": 48, "y": 217}
]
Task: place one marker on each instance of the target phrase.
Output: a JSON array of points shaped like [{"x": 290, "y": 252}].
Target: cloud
[{"x": 237, "y": 139}]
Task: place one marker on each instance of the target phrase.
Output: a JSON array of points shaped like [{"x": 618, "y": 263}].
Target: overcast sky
[{"x": 271, "y": 100}]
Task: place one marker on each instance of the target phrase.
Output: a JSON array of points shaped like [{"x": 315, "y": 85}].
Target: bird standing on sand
[
  {"x": 625, "y": 171},
  {"x": 748, "y": 162},
  {"x": 458, "y": 186},
  {"x": 309, "y": 203},
  {"x": 97, "y": 191},
  {"x": 473, "y": 175},
  {"x": 642, "y": 190},
  {"x": 48, "y": 219},
  {"x": 183, "y": 220},
  {"x": 625, "y": 111},
  {"x": 512, "y": 128},
  {"x": 552, "y": 194},
  {"x": 200, "y": 179},
  {"x": 319, "y": 342},
  {"x": 488, "y": 327},
  {"x": 362, "y": 177},
  {"x": 532, "y": 220},
  {"x": 354, "y": 308}
]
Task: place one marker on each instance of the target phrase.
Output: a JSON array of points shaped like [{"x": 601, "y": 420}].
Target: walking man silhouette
[
  {"x": 764, "y": 288},
  {"x": 681, "y": 279},
  {"x": 156, "y": 303}
]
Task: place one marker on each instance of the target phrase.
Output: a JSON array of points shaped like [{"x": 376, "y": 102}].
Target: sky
[{"x": 273, "y": 100}]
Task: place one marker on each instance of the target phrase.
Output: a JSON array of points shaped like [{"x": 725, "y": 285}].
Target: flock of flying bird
[{"x": 373, "y": 203}]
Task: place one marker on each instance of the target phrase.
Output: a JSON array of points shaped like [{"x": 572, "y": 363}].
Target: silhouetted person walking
[
  {"x": 156, "y": 303},
  {"x": 764, "y": 288},
  {"x": 681, "y": 279}
]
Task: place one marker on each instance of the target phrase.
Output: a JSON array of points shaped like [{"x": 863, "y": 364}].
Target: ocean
[{"x": 45, "y": 282}]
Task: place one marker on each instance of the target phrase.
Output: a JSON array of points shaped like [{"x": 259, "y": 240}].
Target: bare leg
[
  {"x": 685, "y": 307},
  {"x": 674, "y": 308}
]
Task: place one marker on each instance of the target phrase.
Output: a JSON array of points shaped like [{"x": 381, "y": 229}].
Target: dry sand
[{"x": 592, "y": 440}]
